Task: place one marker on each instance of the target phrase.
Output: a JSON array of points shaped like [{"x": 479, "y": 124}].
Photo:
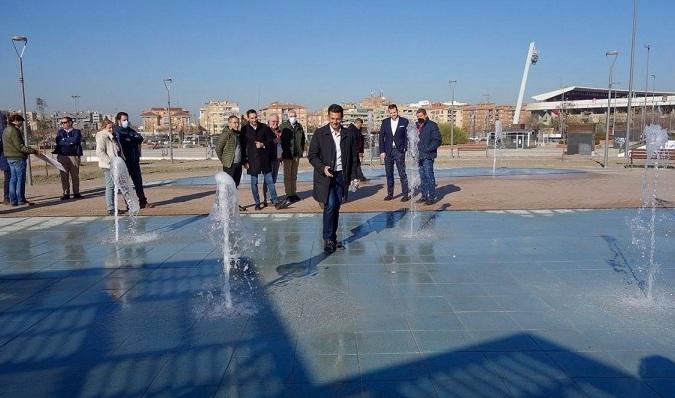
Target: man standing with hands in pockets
[{"x": 332, "y": 153}]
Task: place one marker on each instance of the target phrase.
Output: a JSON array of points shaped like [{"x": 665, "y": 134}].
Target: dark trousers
[
  {"x": 331, "y": 209},
  {"x": 398, "y": 158},
  {"x": 135, "y": 174},
  {"x": 8, "y": 175},
  {"x": 427, "y": 179},
  {"x": 359, "y": 171},
  {"x": 235, "y": 172}
]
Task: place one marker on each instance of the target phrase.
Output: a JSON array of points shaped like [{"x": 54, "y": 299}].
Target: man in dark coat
[
  {"x": 258, "y": 142},
  {"x": 356, "y": 129},
  {"x": 129, "y": 142},
  {"x": 332, "y": 153},
  {"x": 393, "y": 145},
  {"x": 429, "y": 141},
  {"x": 68, "y": 152},
  {"x": 293, "y": 147}
]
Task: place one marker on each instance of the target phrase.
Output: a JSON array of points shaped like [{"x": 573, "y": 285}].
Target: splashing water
[
  {"x": 643, "y": 226},
  {"x": 498, "y": 136},
  {"x": 123, "y": 184},
  {"x": 227, "y": 231},
  {"x": 413, "y": 170}
]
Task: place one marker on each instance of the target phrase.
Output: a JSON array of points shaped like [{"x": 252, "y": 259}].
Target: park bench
[
  {"x": 664, "y": 156},
  {"x": 473, "y": 148}
]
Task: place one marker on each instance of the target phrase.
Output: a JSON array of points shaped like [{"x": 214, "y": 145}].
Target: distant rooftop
[{"x": 578, "y": 93}]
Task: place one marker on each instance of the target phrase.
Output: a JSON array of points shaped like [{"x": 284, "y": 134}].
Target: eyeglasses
[{"x": 66, "y": 122}]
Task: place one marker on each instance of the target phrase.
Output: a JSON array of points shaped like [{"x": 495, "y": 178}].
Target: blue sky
[{"x": 114, "y": 54}]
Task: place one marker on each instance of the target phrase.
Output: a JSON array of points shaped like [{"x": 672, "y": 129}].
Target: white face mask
[
  {"x": 291, "y": 119},
  {"x": 125, "y": 124}
]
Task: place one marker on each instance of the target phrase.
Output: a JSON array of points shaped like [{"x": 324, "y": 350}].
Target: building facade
[
  {"x": 281, "y": 109},
  {"x": 214, "y": 114},
  {"x": 479, "y": 119},
  {"x": 156, "y": 120}
]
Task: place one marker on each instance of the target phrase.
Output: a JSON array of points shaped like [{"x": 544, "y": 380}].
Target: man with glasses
[{"x": 69, "y": 152}]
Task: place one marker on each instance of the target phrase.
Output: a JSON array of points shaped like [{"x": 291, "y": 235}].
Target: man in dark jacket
[
  {"x": 129, "y": 141},
  {"x": 68, "y": 152},
  {"x": 258, "y": 141},
  {"x": 4, "y": 166},
  {"x": 16, "y": 152},
  {"x": 356, "y": 129},
  {"x": 293, "y": 147},
  {"x": 332, "y": 153},
  {"x": 229, "y": 150},
  {"x": 393, "y": 145},
  {"x": 429, "y": 141}
]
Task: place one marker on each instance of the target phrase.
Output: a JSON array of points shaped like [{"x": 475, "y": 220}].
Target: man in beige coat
[{"x": 105, "y": 151}]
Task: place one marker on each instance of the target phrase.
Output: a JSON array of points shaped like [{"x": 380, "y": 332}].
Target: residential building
[
  {"x": 214, "y": 114},
  {"x": 478, "y": 119},
  {"x": 157, "y": 120},
  {"x": 281, "y": 109}
]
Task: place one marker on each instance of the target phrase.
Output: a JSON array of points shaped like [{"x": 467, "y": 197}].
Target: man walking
[
  {"x": 356, "y": 129},
  {"x": 16, "y": 152},
  {"x": 429, "y": 141},
  {"x": 68, "y": 152},
  {"x": 332, "y": 153},
  {"x": 229, "y": 151},
  {"x": 256, "y": 157},
  {"x": 292, "y": 148},
  {"x": 393, "y": 145},
  {"x": 129, "y": 142}
]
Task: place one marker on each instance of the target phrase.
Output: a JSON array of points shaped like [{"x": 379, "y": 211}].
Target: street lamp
[
  {"x": 75, "y": 97},
  {"x": 611, "y": 57},
  {"x": 24, "y": 40},
  {"x": 644, "y": 109},
  {"x": 629, "y": 114},
  {"x": 452, "y": 112},
  {"x": 167, "y": 84},
  {"x": 653, "y": 96}
]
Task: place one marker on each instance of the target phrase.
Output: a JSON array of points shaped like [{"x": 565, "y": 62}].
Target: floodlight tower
[{"x": 532, "y": 58}]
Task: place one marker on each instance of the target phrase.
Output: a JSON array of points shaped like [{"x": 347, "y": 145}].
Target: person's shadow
[{"x": 442, "y": 192}]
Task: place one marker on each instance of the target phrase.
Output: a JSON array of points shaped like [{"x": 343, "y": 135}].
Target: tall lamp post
[
  {"x": 653, "y": 97},
  {"x": 167, "y": 84},
  {"x": 644, "y": 109},
  {"x": 611, "y": 57},
  {"x": 75, "y": 97},
  {"x": 629, "y": 114},
  {"x": 24, "y": 40},
  {"x": 452, "y": 112}
]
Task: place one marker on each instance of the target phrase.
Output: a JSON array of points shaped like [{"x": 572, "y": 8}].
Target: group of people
[
  {"x": 261, "y": 149},
  {"x": 116, "y": 139}
]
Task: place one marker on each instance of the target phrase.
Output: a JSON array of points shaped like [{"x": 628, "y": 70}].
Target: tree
[{"x": 461, "y": 136}]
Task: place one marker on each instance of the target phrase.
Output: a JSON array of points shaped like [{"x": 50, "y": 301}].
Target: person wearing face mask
[
  {"x": 393, "y": 145},
  {"x": 129, "y": 143},
  {"x": 429, "y": 141},
  {"x": 16, "y": 152},
  {"x": 292, "y": 146},
  {"x": 106, "y": 149}
]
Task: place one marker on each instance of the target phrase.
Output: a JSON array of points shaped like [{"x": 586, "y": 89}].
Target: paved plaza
[{"x": 517, "y": 303}]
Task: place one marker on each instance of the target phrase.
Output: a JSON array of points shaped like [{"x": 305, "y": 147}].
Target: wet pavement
[{"x": 517, "y": 303}]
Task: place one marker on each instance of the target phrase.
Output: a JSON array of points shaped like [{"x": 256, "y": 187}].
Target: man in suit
[
  {"x": 258, "y": 142},
  {"x": 332, "y": 153},
  {"x": 393, "y": 145}
]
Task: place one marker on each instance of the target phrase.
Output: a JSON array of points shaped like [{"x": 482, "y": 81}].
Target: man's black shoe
[
  {"x": 143, "y": 204},
  {"x": 282, "y": 204},
  {"x": 77, "y": 196},
  {"x": 258, "y": 206},
  {"x": 405, "y": 198},
  {"x": 328, "y": 246},
  {"x": 421, "y": 200},
  {"x": 339, "y": 245},
  {"x": 264, "y": 203},
  {"x": 242, "y": 208},
  {"x": 111, "y": 212},
  {"x": 294, "y": 198},
  {"x": 430, "y": 202},
  {"x": 388, "y": 197},
  {"x": 65, "y": 197}
]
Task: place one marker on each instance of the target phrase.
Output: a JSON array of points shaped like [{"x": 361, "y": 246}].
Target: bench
[
  {"x": 664, "y": 156},
  {"x": 472, "y": 147}
]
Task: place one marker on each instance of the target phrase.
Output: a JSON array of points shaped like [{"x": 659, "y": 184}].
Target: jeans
[
  {"x": 17, "y": 180},
  {"x": 235, "y": 172},
  {"x": 398, "y": 158},
  {"x": 5, "y": 190},
  {"x": 331, "y": 209},
  {"x": 275, "y": 173},
  {"x": 270, "y": 187},
  {"x": 109, "y": 190},
  {"x": 427, "y": 179}
]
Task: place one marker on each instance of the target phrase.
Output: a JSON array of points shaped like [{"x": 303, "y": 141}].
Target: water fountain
[
  {"x": 643, "y": 226},
  {"x": 123, "y": 184},
  {"x": 498, "y": 136},
  {"x": 413, "y": 171}
]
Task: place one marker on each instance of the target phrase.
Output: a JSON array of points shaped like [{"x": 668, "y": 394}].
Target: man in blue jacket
[
  {"x": 130, "y": 143},
  {"x": 393, "y": 145},
  {"x": 69, "y": 153},
  {"x": 429, "y": 141}
]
